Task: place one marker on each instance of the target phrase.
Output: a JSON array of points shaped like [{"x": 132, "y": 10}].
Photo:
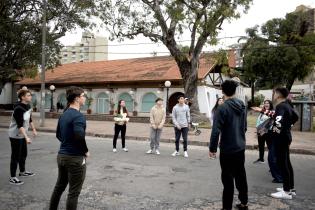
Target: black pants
[
  {"x": 118, "y": 129},
  {"x": 71, "y": 169},
  {"x": 261, "y": 146},
  {"x": 272, "y": 161},
  {"x": 284, "y": 164},
  {"x": 178, "y": 133},
  {"x": 18, "y": 155},
  {"x": 232, "y": 166}
]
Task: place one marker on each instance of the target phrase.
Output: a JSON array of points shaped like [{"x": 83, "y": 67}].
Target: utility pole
[{"x": 43, "y": 69}]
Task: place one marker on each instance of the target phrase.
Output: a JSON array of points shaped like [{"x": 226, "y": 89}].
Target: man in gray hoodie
[
  {"x": 181, "y": 121},
  {"x": 230, "y": 123}
]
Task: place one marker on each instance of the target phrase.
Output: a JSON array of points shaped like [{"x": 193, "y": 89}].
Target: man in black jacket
[{"x": 230, "y": 123}]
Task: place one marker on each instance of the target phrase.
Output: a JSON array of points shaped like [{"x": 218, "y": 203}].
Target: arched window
[
  {"x": 34, "y": 100},
  {"x": 102, "y": 103},
  {"x": 148, "y": 101},
  {"x": 128, "y": 100},
  {"x": 47, "y": 100},
  {"x": 62, "y": 98}
]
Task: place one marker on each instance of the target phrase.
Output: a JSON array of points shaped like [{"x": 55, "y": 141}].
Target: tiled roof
[{"x": 115, "y": 71}]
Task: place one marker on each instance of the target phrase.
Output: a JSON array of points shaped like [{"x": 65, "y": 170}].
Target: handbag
[{"x": 264, "y": 127}]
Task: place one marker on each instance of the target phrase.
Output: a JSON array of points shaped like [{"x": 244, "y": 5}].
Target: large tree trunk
[
  {"x": 290, "y": 84},
  {"x": 189, "y": 73}
]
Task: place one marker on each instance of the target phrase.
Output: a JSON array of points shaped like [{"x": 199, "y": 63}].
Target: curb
[{"x": 172, "y": 140}]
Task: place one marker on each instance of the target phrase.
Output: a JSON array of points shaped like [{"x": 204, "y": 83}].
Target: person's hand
[
  {"x": 28, "y": 140},
  {"x": 34, "y": 132},
  {"x": 160, "y": 127},
  {"x": 212, "y": 155},
  {"x": 87, "y": 154},
  {"x": 178, "y": 127},
  {"x": 154, "y": 127},
  {"x": 256, "y": 109}
]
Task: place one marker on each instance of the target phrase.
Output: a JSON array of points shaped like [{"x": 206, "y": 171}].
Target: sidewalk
[{"x": 303, "y": 142}]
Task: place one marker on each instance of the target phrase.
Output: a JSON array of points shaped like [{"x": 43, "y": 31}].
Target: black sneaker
[
  {"x": 241, "y": 206},
  {"x": 26, "y": 174},
  {"x": 15, "y": 181}
]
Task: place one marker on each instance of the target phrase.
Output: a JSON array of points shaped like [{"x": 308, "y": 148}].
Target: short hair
[
  {"x": 180, "y": 96},
  {"x": 21, "y": 93},
  {"x": 284, "y": 92},
  {"x": 158, "y": 99},
  {"x": 229, "y": 87},
  {"x": 72, "y": 92}
]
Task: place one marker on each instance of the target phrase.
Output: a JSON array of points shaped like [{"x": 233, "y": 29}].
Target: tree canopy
[
  {"x": 279, "y": 52},
  {"x": 21, "y": 31}
]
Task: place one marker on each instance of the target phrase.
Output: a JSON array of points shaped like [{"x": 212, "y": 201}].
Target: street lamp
[
  {"x": 167, "y": 84},
  {"x": 52, "y": 88}
]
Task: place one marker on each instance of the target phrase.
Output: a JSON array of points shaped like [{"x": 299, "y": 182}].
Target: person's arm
[
  {"x": 163, "y": 119},
  {"x": 152, "y": 119},
  {"x": 58, "y": 134},
  {"x": 216, "y": 130},
  {"x": 278, "y": 117},
  {"x": 174, "y": 118},
  {"x": 79, "y": 134},
  {"x": 33, "y": 126}
]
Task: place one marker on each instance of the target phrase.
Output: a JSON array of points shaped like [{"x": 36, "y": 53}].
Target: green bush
[{"x": 258, "y": 100}]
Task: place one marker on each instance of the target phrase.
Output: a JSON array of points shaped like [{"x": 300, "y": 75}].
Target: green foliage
[
  {"x": 283, "y": 53},
  {"x": 21, "y": 33},
  {"x": 89, "y": 101}
]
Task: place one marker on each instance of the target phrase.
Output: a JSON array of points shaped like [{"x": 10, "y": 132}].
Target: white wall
[
  {"x": 6, "y": 94},
  {"x": 207, "y": 98}
]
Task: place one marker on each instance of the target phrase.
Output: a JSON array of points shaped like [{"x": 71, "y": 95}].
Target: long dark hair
[
  {"x": 270, "y": 104},
  {"x": 216, "y": 105},
  {"x": 119, "y": 107}
]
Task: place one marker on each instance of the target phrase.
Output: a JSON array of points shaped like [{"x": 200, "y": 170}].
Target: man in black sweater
[
  {"x": 230, "y": 123},
  {"x": 73, "y": 151},
  {"x": 284, "y": 117}
]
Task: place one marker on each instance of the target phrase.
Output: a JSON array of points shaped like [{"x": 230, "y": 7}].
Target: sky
[{"x": 260, "y": 11}]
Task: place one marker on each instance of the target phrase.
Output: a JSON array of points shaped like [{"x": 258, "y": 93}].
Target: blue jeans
[
  {"x": 178, "y": 133},
  {"x": 272, "y": 161}
]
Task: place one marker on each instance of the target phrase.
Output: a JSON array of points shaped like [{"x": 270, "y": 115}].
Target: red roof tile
[{"x": 127, "y": 70}]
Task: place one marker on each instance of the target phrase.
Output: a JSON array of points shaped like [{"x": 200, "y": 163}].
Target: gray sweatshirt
[{"x": 181, "y": 115}]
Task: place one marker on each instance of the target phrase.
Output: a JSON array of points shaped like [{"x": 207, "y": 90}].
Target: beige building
[{"x": 91, "y": 48}]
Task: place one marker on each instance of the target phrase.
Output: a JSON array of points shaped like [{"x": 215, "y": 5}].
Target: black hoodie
[{"x": 230, "y": 121}]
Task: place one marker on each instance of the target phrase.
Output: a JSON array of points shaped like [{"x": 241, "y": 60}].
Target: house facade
[{"x": 136, "y": 81}]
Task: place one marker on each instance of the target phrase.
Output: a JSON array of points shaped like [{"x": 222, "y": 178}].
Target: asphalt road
[{"x": 135, "y": 180}]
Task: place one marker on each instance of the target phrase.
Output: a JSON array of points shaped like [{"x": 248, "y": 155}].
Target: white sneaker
[
  {"x": 15, "y": 181},
  {"x": 186, "y": 154},
  {"x": 175, "y": 154},
  {"x": 292, "y": 192},
  {"x": 149, "y": 151},
  {"x": 125, "y": 149},
  {"x": 114, "y": 150},
  {"x": 281, "y": 195},
  {"x": 157, "y": 152}
]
